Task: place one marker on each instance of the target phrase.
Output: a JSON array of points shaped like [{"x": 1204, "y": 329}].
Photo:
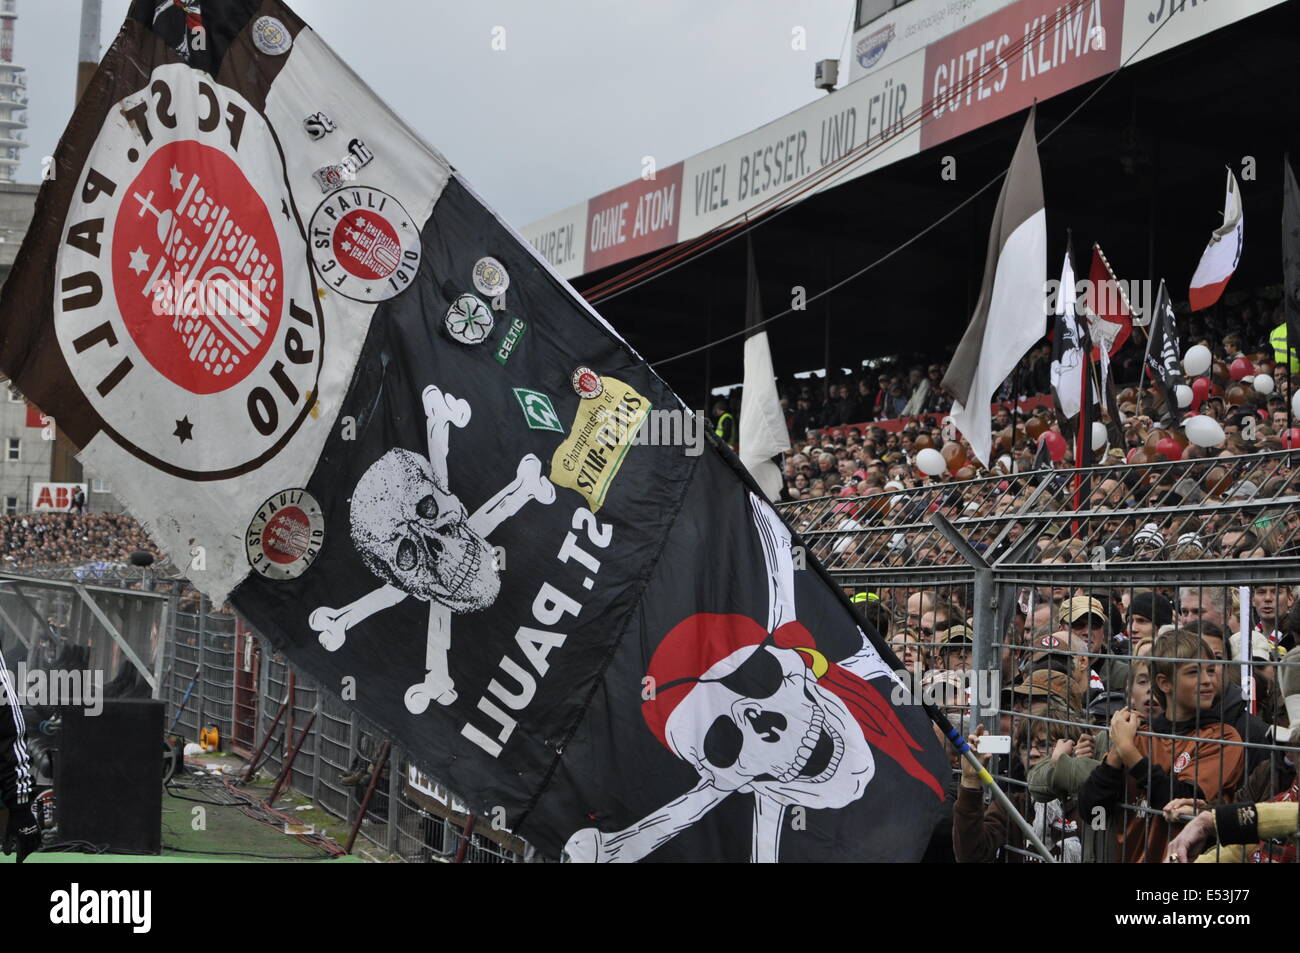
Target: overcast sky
[{"x": 582, "y": 90}]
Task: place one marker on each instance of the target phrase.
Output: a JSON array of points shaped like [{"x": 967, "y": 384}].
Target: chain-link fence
[
  {"x": 1095, "y": 619},
  {"x": 1039, "y": 606}
]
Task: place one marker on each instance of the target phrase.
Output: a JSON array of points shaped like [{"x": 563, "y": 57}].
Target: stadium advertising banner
[
  {"x": 1178, "y": 21},
  {"x": 561, "y": 239},
  {"x": 421, "y": 466},
  {"x": 996, "y": 67},
  {"x": 912, "y": 27},
  {"x": 55, "y": 497},
  {"x": 751, "y": 171},
  {"x": 970, "y": 62},
  {"x": 634, "y": 219}
]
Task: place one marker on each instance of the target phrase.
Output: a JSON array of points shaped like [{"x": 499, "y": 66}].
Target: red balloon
[
  {"x": 1055, "y": 445},
  {"x": 1200, "y": 391},
  {"x": 1240, "y": 368},
  {"x": 1170, "y": 448},
  {"x": 1291, "y": 439}
]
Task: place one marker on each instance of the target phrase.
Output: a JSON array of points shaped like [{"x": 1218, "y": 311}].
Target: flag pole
[
  {"x": 959, "y": 742},
  {"x": 1015, "y": 408}
]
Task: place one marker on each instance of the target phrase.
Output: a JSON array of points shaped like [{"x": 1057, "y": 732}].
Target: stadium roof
[{"x": 1139, "y": 168}]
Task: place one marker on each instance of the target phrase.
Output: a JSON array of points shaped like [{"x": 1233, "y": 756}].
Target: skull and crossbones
[
  {"x": 755, "y": 721},
  {"x": 416, "y": 537}
]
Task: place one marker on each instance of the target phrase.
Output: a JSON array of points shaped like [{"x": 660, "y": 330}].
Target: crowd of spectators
[
  {"x": 846, "y": 433},
  {"x": 1126, "y": 707},
  {"x": 41, "y": 540}
]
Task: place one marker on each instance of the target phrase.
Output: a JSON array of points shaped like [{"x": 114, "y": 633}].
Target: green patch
[
  {"x": 511, "y": 341},
  {"x": 539, "y": 413}
]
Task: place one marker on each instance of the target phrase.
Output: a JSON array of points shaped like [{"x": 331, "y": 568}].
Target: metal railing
[{"x": 1017, "y": 602}]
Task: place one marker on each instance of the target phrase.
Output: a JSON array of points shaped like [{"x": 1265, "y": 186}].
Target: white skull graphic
[
  {"x": 413, "y": 533},
  {"x": 758, "y": 721}
]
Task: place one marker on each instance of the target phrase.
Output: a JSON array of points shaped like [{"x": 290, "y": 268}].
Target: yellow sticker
[{"x": 603, "y": 431}]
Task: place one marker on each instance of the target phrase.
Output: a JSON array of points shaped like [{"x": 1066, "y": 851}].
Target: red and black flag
[{"x": 343, "y": 394}]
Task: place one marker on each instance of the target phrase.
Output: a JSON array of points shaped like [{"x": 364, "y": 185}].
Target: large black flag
[
  {"x": 339, "y": 390},
  {"x": 1163, "y": 363},
  {"x": 1291, "y": 258}
]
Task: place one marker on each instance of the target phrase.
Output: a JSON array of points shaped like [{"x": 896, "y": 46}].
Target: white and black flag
[
  {"x": 1071, "y": 370},
  {"x": 1012, "y": 305},
  {"x": 340, "y": 392},
  {"x": 1163, "y": 363},
  {"x": 763, "y": 433}
]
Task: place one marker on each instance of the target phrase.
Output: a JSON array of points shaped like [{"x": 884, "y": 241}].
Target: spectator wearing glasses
[{"x": 1086, "y": 618}]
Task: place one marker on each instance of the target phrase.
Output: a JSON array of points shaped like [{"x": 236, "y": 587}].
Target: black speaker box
[{"x": 108, "y": 776}]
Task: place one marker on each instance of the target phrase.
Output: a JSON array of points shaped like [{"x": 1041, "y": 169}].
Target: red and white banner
[
  {"x": 1221, "y": 255},
  {"x": 633, "y": 219},
  {"x": 54, "y": 497},
  {"x": 1012, "y": 58}
]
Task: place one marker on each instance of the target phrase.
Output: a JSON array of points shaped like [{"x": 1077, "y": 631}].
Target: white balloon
[
  {"x": 930, "y": 461},
  {"x": 1197, "y": 360},
  {"x": 1295, "y": 405},
  {"x": 1263, "y": 384},
  {"x": 1203, "y": 431},
  {"x": 1099, "y": 435},
  {"x": 1184, "y": 395}
]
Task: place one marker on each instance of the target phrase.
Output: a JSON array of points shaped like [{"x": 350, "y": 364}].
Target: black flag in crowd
[
  {"x": 1071, "y": 372},
  {"x": 1291, "y": 256},
  {"x": 338, "y": 390},
  {"x": 1163, "y": 363}
]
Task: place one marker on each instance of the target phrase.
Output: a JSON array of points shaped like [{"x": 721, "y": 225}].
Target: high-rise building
[{"x": 13, "y": 96}]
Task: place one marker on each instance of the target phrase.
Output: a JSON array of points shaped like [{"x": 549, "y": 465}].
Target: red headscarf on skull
[{"x": 699, "y": 642}]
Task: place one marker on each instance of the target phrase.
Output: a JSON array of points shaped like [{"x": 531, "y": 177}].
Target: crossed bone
[
  {"x": 657, "y": 828},
  {"x": 441, "y": 411}
]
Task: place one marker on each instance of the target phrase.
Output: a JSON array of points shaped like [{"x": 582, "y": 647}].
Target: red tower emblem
[{"x": 197, "y": 268}]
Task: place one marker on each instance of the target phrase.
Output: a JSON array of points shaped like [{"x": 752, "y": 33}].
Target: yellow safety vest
[
  {"x": 1279, "y": 342},
  {"x": 721, "y": 430}
]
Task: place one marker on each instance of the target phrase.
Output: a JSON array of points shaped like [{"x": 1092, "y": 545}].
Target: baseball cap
[
  {"x": 1080, "y": 606},
  {"x": 1260, "y": 646},
  {"x": 1045, "y": 683},
  {"x": 1049, "y": 643},
  {"x": 954, "y": 635}
]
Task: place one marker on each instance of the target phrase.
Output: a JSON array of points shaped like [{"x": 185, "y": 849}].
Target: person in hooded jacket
[{"x": 1203, "y": 759}]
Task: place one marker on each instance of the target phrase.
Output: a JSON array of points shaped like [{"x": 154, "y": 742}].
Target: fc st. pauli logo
[{"x": 184, "y": 283}]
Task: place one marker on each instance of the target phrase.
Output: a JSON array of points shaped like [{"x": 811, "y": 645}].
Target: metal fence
[
  {"x": 1037, "y": 605},
  {"x": 1032, "y": 604}
]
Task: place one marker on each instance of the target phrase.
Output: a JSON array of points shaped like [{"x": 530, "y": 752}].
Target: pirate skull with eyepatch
[
  {"x": 759, "y": 710},
  {"x": 757, "y": 719}
]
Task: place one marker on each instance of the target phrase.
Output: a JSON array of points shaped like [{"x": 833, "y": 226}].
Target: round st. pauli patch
[
  {"x": 185, "y": 305},
  {"x": 285, "y": 535},
  {"x": 364, "y": 244}
]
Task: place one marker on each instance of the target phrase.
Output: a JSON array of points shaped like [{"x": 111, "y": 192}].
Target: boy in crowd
[
  {"x": 980, "y": 833},
  {"x": 1194, "y": 764}
]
